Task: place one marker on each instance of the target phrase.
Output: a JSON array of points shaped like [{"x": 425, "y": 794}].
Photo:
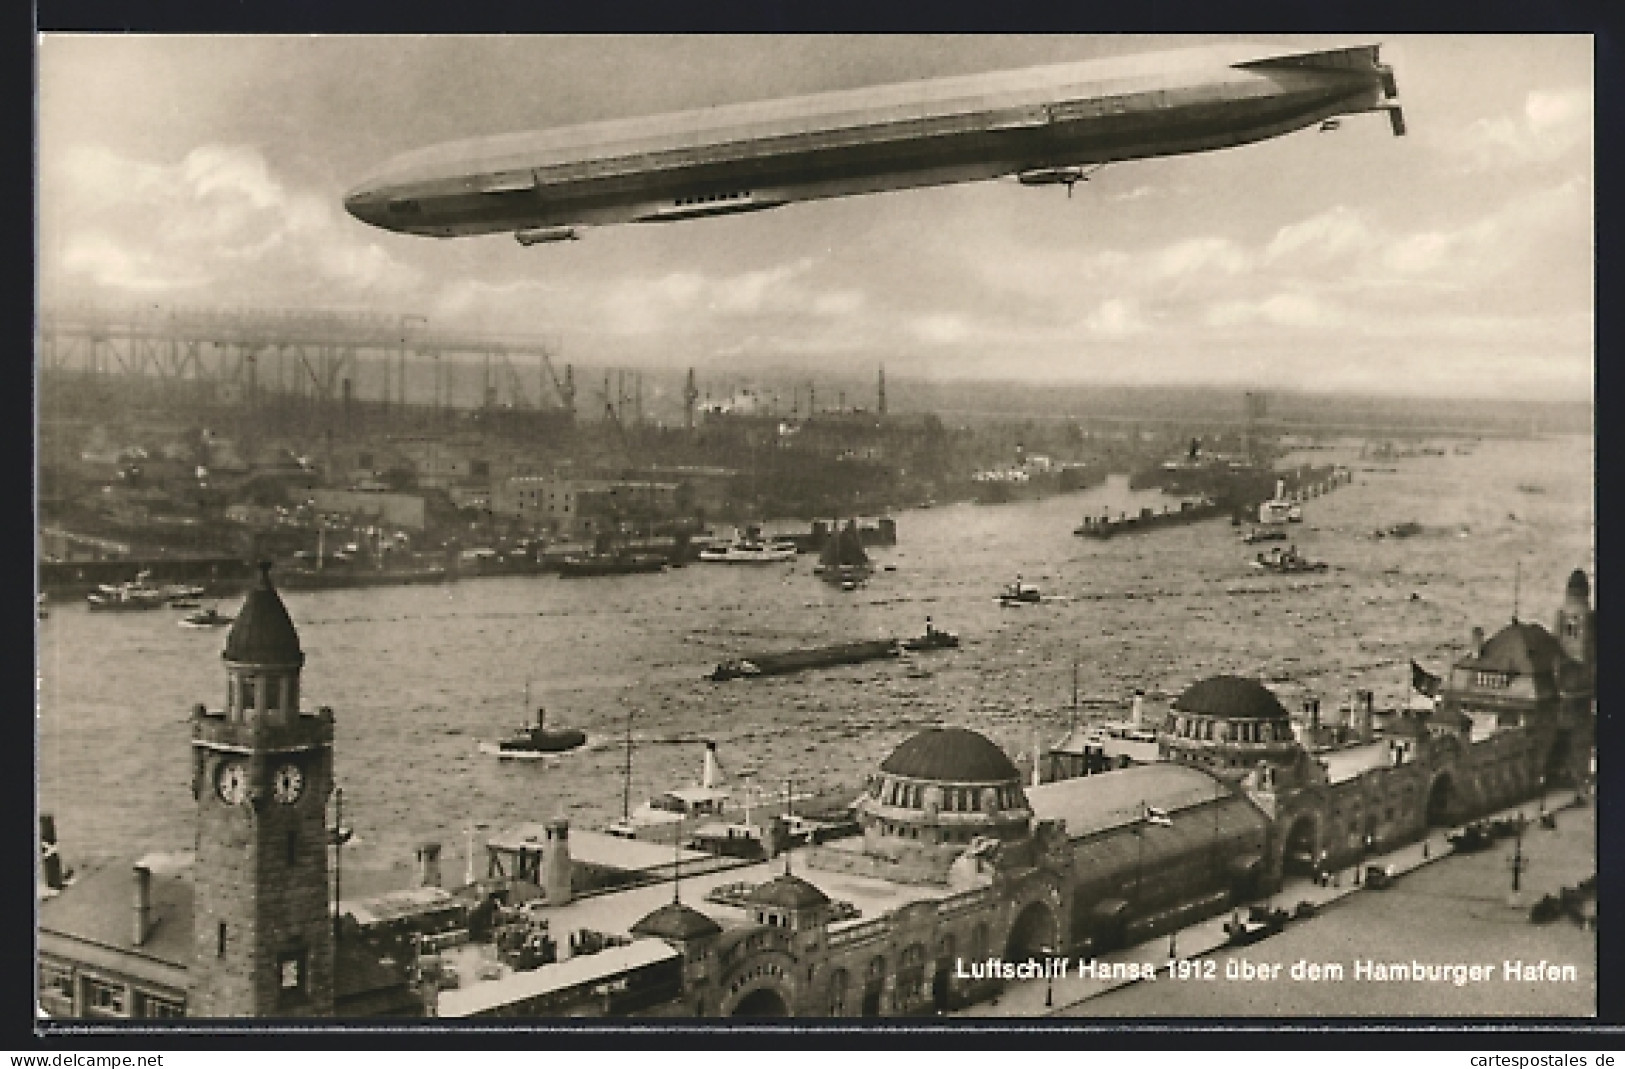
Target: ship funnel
[
  {"x": 429, "y": 865},
  {"x": 711, "y": 773},
  {"x": 1137, "y": 709},
  {"x": 1280, "y": 489}
]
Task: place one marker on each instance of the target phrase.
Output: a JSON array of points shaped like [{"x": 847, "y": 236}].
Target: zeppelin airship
[{"x": 1049, "y": 125}]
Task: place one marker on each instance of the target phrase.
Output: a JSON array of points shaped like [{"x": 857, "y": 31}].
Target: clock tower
[{"x": 261, "y": 774}]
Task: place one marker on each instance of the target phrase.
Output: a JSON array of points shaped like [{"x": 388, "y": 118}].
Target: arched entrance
[
  {"x": 1033, "y": 935},
  {"x": 1300, "y": 853},
  {"x": 942, "y": 977},
  {"x": 762, "y": 1002},
  {"x": 1441, "y": 801},
  {"x": 874, "y": 982}
]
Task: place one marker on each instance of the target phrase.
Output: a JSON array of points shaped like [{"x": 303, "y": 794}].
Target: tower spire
[{"x": 1517, "y": 581}]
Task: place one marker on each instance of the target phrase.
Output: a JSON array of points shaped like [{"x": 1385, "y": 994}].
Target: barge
[
  {"x": 772, "y": 664},
  {"x": 1148, "y": 519}
]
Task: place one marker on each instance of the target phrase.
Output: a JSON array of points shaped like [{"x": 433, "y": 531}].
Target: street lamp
[
  {"x": 1049, "y": 977},
  {"x": 1517, "y": 862}
]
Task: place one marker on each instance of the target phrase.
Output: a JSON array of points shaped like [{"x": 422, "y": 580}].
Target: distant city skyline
[{"x": 1456, "y": 261}]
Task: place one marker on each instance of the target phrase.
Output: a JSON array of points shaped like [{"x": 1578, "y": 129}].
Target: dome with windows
[
  {"x": 951, "y": 755},
  {"x": 938, "y": 791},
  {"x": 1229, "y": 725}
]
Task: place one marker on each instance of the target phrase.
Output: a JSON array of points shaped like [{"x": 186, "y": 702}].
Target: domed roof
[
  {"x": 1579, "y": 586},
  {"x": 263, "y": 633},
  {"x": 1521, "y": 649},
  {"x": 676, "y": 921},
  {"x": 1231, "y": 697},
  {"x": 950, "y": 755},
  {"x": 787, "y": 892}
]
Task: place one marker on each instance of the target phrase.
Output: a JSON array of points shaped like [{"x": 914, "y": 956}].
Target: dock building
[{"x": 958, "y": 860}]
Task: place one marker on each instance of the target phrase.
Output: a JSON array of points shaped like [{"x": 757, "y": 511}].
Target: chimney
[
  {"x": 1280, "y": 489},
  {"x": 1137, "y": 709},
  {"x": 142, "y": 917},
  {"x": 556, "y": 864},
  {"x": 429, "y": 865},
  {"x": 710, "y": 774},
  {"x": 50, "y": 859}
]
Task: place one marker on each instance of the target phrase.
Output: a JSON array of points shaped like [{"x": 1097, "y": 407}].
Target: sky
[{"x": 208, "y": 172}]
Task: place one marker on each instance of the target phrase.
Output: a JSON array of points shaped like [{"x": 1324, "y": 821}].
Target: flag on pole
[
  {"x": 1423, "y": 681},
  {"x": 1153, "y": 815}
]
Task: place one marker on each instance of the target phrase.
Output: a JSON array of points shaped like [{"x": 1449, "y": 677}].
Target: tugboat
[
  {"x": 1019, "y": 593},
  {"x": 933, "y": 639},
  {"x": 210, "y": 617},
  {"x": 534, "y": 743}
]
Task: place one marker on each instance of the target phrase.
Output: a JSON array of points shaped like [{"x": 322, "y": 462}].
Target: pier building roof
[
  {"x": 1090, "y": 804},
  {"x": 1231, "y": 697},
  {"x": 263, "y": 632},
  {"x": 950, "y": 755}
]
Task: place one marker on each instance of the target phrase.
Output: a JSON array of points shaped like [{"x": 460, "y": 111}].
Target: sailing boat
[{"x": 843, "y": 560}]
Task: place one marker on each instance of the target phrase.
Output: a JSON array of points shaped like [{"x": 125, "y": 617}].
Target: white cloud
[
  {"x": 218, "y": 219},
  {"x": 1331, "y": 235},
  {"x": 1116, "y": 317},
  {"x": 1553, "y": 123},
  {"x": 939, "y": 328}
]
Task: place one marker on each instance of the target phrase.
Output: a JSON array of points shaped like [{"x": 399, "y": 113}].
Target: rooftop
[
  {"x": 263, "y": 633},
  {"x": 950, "y": 755},
  {"x": 596, "y": 848},
  {"x": 1112, "y": 799},
  {"x": 1231, "y": 696}
]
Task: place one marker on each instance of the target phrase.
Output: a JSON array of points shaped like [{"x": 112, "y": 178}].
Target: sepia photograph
[{"x": 814, "y": 530}]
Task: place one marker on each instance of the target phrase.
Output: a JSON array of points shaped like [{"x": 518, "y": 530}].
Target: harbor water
[{"x": 418, "y": 675}]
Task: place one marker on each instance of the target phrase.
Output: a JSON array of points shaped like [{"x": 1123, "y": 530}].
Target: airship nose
[{"x": 367, "y": 204}]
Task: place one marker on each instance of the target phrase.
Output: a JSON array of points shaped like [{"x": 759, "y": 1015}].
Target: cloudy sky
[{"x": 1458, "y": 260}]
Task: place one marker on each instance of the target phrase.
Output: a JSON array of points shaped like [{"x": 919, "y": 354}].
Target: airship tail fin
[{"x": 1358, "y": 58}]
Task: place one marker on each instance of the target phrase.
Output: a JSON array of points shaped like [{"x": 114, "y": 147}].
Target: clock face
[
  {"x": 288, "y": 784},
  {"x": 231, "y": 782}
]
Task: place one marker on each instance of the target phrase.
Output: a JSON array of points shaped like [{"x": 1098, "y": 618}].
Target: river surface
[{"x": 417, "y": 675}]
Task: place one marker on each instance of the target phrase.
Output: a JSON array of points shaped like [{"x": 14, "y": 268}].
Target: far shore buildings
[{"x": 957, "y": 858}]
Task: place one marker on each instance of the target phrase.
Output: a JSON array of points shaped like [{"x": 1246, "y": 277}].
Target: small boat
[
  {"x": 534, "y": 743},
  {"x": 182, "y": 593},
  {"x": 127, "y": 597},
  {"x": 1286, "y": 562},
  {"x": 933, "y": 639},
  {"x": 751, "y": 548},
  {"x": 1398, "y": 530},
  {"x": 185, "y": 603},
  {"x": 1264, "y": 534},
  {"x": 208, "y": 618},
  {"x": 1019, "y": 593}
]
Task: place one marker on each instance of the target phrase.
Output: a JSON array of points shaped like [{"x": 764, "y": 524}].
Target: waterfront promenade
[{"x": 1465, "y": 899}]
